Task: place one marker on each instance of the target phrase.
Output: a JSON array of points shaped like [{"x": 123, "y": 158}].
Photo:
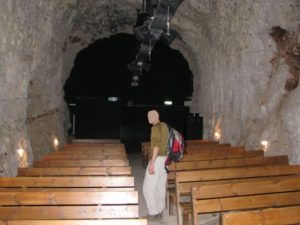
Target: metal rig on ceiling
[{"x": 153, "y": 24}]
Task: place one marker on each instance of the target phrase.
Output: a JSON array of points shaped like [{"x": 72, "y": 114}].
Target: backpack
[{"x": 175, "y": 147}]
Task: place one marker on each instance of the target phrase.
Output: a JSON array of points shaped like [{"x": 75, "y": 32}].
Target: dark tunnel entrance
[{"x": 105, "y": 103}]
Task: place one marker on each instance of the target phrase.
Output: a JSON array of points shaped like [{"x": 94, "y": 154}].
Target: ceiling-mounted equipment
[{"x": 153, "y": 24}]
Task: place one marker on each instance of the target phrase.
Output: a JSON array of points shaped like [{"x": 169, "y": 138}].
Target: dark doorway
[{"x": 104, "y": 104}]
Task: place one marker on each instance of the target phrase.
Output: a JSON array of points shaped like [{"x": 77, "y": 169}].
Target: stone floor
[{"x": 138, "y": 172}]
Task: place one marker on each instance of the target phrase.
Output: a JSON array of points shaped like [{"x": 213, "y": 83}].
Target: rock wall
[
  {"x": 31, "y": 96},
  {"x": 236, "y": 89}
]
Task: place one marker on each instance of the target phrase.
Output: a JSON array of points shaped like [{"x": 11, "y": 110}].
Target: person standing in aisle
[{"x": 154, "y": 187}]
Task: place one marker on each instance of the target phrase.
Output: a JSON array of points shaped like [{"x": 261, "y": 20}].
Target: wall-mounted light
[
  {"x": 265, "y": 145},
  {"x": 22, "y": 158},
  {"x": 56, "y": 143},
  {"x": 217, "y": 135},
  {"x": 168, "y": 102},
  {"x": 20, "y": 152}
]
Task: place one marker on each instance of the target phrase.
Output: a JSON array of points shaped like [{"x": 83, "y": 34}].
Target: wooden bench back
[
  {"x": 72, "y": 146},
  {"x": 76, "y": 222},
  {"x": 222, "y": 154},
  {"x": 269, "y": 216},
  {"x": 84, "y": 156},
  {"x": 68, "y": 205},
  {"x": 75, "y": 171},
  {"x": 225, "y": 163},
  {"x": 80, "y": 162},
  {"x": 60, "y": 182},
  {"x": 91, "y": 150},
  {"x": 195, "y": 148},
  {"x": 276, "y": 191}
]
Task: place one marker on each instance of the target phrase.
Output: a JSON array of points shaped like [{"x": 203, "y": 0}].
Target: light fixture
[
  {"x": 20, "y": 152},
  {"x": 112, "y": 99},
  {"x": 22, "y": 158},
  {"x": 168, "y": 102},
  {"x": 56, "y": 143},
  {"x": 265, "y": 145},
  {"x": 217, "y": 135}
]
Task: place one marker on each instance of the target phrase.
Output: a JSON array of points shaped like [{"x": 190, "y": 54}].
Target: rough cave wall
[
  {"x": 235, "y": 89},
  {"x": 31, "y": 96},
  {"x": 227, "y": 45}
]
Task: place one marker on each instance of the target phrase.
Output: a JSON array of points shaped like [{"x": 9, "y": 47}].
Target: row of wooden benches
[
  {"x": 77, "y": 185},
  {"x": 233, "y": 180}
]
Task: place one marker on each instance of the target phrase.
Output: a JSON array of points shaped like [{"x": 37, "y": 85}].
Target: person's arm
[{"x": 152, "y": 161}]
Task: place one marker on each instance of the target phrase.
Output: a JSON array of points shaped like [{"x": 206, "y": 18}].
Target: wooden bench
[
  {"x": 187, "y": 179},
  {"x": 232, "y": 196},
  {"x": 49, "y": 204},
  {"x": 269, "y": 216},
  {"x": 75, "y": 171},
  {"x": 223, "y": 163},
  {"x": 76, "y": 222},
  {"x": 80, "y": 163}
]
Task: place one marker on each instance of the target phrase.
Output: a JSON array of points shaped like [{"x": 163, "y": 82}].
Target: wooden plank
[
  {"x": 71, "y": 147},
  {"x": 82, "y": 156},
  {"x": 222, "y": 154},
  {"x": 81, "y": 162},
  {"x": 201, "y": 147},
  {"x": 185, "y": 180},
  {"x": 272, "y": 216},
  {"x": 89, "y": 151},
  {"x": 68, "y": 212},
  {"x": 96, "y": 141},
  {"x": 104, "y": 145},
  {"x": 67, "y": 198},
  {"x": 247, "y": 202},
  {"x": 225, "y": 163},
  {"x": 83, "y": 181},
  {"x": 247, "y": 188},
  {"x": 235, "y": 162},
  {"x": 75, "y": 171},
  {"x": 65, "y": 189},
  {"x": 76, "y": 222}
]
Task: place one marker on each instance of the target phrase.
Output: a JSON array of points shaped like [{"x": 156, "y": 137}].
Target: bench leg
[{"x": 172, "y": 202}]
